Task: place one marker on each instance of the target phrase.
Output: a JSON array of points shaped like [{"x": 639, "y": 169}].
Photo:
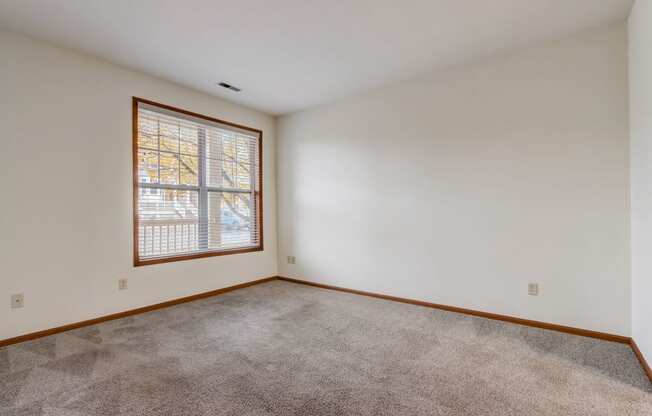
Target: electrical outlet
[
  {"x": 533, "y": 289},
  {"x": 17, "y": 301},
  {"x": 292, "y": 260},
  {"x": 122, "y": 284}
]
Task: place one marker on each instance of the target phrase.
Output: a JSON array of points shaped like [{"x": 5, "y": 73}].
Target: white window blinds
[{"x": 197, "y": 186}]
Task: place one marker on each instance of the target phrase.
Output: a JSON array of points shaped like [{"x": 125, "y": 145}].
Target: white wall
[
  {"x": 66, "y": 193},
  {"x": 463, "y": 186},
  {"x": 640, "y": 105}
]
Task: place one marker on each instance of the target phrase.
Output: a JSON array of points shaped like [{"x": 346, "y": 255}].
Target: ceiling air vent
[{"x": 229, "y": 86}]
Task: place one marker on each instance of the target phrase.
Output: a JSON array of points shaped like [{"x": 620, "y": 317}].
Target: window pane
[
  {"x": 244, "y": 150},
  {"x": 147, "y": 166},
  {"x": 219, "y": 173},
  {"x": 229, "y": 160},
  {"x": 228, "y": 145},
  {"x": 189, "y": 143},
  {"x": 242, "y": 178},
  {"x": 169, "y": 137},
  {"x": 147, "y": 133},
  {"x": 168, "y": 222},
  {"x": 228, "y": 174},
  {"x": 188, "y": 170},
  {"x": 214, "y": 173},
  {"x": 169, "y": 168},
  {"x": 229, "y": 220}
]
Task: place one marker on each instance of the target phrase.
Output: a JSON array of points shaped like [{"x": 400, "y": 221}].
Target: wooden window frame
[{"x": 259, "y": 193}]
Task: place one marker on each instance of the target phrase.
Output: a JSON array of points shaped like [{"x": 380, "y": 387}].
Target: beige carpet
[{"x": 285, "y": 349}]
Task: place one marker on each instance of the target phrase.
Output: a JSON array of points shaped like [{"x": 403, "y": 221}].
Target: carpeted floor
[{"x": 285, "y": 349}]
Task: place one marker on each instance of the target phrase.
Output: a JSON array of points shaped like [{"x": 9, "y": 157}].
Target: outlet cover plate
[{"x": 17, "y": 301}]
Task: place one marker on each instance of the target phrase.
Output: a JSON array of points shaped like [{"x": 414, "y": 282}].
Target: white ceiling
[{"x": 288, "y": 55}]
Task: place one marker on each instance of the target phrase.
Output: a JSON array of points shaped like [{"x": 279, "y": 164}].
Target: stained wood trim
[
  {"x": 134, "y": 174},
  {"x": 497, "y": 317},
  {"x": 641, "y": 359},
  {"x": 196, "y": 115},
  {"x": 259, "y": 194},
  {"x": 59, "y": 329},
  {"x": 504, "y": 318},
  {"x": 138, "y": 262}
]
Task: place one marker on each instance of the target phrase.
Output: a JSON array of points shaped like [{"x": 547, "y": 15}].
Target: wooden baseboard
[
  {"x": 641, "y": 359},
  {"x": 52, "y": 331},
  {"x": 505, "y": 318},
  {"x": 527, "y": 322},
  {"x": 497, "y": 317}
]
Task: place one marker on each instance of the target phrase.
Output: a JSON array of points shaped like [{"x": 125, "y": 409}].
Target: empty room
[{"x": 310, "y": 207}]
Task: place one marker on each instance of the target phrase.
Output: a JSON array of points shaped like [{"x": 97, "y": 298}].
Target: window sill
[{"x": 147, "y": 262}]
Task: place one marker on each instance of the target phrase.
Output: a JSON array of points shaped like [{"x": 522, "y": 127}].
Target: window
[{"x": 197, "y": 185}]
